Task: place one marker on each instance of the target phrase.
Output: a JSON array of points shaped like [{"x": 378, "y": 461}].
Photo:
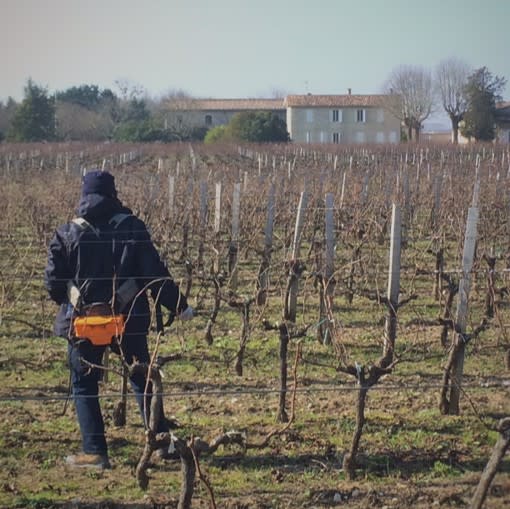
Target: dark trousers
[{"x": 85, "y": 378}]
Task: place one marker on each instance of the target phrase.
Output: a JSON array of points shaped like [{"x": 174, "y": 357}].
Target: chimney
[{"x": 349, "y": 91}]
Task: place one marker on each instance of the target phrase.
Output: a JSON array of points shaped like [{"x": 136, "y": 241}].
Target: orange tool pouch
[{"x": 99, "y": 328}]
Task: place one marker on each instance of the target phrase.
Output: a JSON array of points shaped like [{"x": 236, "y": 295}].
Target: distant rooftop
[
  {"x": 225, "y": 104},
  {"x": 307, "y": 100},
  {"x": 331, "y": 101}
]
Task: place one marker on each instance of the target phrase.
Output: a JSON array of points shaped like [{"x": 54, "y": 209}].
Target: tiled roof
[
  {"x": 226, "y": 104},
  {"x": 331, "y": 101},
  {"x": 503, "y": 105}
]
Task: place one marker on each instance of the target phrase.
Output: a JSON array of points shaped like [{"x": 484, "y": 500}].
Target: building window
[
  {"x": 360, "y": 115},
  {"x": 360, "y": 137},
  {"x": 208, "y": 120},
  {"x": 379, "y": 137},
  {"x": 336, "y": 115},
  {"x": 309, "y": 115},
  {"x": 380, "y": 115},
  {"x": 337, "y": 137}
]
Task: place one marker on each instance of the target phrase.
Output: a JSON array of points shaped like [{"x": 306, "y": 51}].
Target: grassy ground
[{"x": 410, "y": 454}]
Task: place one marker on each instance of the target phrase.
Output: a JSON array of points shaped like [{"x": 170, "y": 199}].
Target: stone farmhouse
[
  {"x": 213, "y": 112},
  {"x": 310, "y": 118}
]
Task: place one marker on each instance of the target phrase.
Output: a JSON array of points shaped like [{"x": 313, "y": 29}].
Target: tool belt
[{"x": 98, "y": 324}]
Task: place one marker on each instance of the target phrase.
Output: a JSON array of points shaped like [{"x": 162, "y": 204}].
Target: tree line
[
  {"x": 468, "y": 97},
  {"x": 89, "y": 113}
]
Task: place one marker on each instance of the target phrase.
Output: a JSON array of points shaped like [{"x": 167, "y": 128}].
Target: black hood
[{"x": 97, "y": 207}]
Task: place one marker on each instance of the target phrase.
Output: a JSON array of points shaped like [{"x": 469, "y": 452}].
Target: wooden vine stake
[
  {"x": 452, "y": 378},
  {"x": 290, "y": 313},
  {"x": 203, "y": 224},
  {"x": 217, "y": 209},
  {"x": 407, "y": 207},
  {"x": 263, "y": 276},
  {"x": 368, "y": 376},
  {"x": 295, "y": 270},
  {"x": 342, "y": 193},
  {"x": 216, "y": 263},
  {"x": 234, "y": 242},
  {"x": 171, "y": 193},
  {"x": 436, "y": 204},
  {"x": 390, "y": 332},
  {"x": 328, "y": 283},
  {"x": 186, "y": 221}
]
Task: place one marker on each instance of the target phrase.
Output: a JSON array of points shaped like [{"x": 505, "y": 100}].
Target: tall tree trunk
[{"x": 455, "y": 130}]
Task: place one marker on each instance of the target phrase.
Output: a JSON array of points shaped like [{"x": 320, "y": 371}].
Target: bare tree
[
  {"x": 410, "y": 97},
  {"x": 74, "y": 122},
  {"x": 175, "y": 108},
  {"x": 129, "y": 90},
  {"x": 451, "y": 77},
  {"x": 176, "y": 99}
]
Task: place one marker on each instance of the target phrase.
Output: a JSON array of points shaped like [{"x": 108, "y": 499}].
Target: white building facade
[
  {"x": 345, "y": 119},
  {"x": 337, "y": 119}
]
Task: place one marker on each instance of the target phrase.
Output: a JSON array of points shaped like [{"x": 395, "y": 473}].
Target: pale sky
[{"x": 241, "y": 48}]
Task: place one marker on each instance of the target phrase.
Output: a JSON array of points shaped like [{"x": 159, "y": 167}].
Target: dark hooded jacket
[{"x": 102, "y": 258}]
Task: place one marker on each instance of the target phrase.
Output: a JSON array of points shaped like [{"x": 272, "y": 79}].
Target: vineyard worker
[{"x": 105, "y": 248}]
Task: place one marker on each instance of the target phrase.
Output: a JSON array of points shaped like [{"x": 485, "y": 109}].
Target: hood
[{"x": 97, "y": 207}]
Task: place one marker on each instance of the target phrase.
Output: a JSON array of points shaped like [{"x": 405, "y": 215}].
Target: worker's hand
[{"x": 187, "y": 314}]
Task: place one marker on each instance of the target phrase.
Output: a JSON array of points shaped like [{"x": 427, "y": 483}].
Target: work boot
[{"x": 84, "y": 460}]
